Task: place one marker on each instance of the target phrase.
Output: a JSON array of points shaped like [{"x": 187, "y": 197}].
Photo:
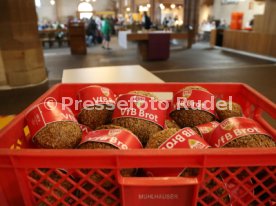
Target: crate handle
[{"x": 161, "y": 191}]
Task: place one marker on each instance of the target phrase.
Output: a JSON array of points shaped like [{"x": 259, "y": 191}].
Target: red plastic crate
[{"x": 32, "y": 176}]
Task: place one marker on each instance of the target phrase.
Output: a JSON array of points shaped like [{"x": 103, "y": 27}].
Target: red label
[
  {"x": 207, "y": 129},
  {"x": 184, "y": 138},
  {"x": 195, "y": 100},
  {"x": 233, "y": 128},
  {"x": 141, "y": 107},
  {"x": 95, "y": 95},
  {"x": 120, "y": 138},
  {"x": 45, "y": 113},
  {"x": 85, "y": 130}
]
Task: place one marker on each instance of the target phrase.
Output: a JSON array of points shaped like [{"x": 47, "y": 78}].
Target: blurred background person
[
  {"x": 91, "y": 32},
  {"x": 106, "y": 31},
  {"x": 146, "y": 22}
]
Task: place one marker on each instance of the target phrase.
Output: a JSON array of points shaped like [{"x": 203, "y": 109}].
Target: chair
[
  {"x": 65, "y": 38},
  {"x": 43, "y": 38},
  {"x": 51, "y": 38}
]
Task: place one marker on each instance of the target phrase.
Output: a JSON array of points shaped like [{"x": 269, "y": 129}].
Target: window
[
  {"x": 85, "y": 10},
  {"x": 38, "y": 3}
]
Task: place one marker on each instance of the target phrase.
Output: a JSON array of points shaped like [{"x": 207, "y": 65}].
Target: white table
[
  {"x": 113, "y": 74},
  {"x": 110, "y": 74}
]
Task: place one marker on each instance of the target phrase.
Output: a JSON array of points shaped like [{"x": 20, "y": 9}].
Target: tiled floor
[{"x": 200, "y": 63}]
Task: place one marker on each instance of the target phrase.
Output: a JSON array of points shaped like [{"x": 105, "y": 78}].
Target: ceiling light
[
  {"x": 143, "y": 8},
  {"x": 173, "y": 6},
  {"x": 52, "y": 2},
  {"x": 38, "y": 3}
]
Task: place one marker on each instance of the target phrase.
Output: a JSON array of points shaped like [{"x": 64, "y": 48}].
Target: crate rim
[{"x": 213, "y": 157}]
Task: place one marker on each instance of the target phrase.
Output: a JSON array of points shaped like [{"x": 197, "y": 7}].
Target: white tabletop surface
[
  {"x": 113, "y": 74},
  {"x": 110, "y": 74}
]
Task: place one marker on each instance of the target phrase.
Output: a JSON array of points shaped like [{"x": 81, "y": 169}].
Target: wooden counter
[
  {"x": 145, "y": 36},
  {"x": 47, "y": 31},
  {"x": 156, "y": 48},
  {"x": 250, "y": 41}
]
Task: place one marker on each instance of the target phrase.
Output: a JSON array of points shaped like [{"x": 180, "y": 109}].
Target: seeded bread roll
[
  {"x": 59, "y": 135},
  {"x": 253, "y": 140},
  {"x": 227, "y": 112},
  {"x": 171, "y": 124},
  {"x": 191, "y": 118},
  {"x": 93, "y": 117},
  {"x": 158, "y": 138},
  {"x": 88, "y": 144},
  {"x": 143, "y": 129}
]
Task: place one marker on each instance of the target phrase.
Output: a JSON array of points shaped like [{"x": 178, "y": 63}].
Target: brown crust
[
  {"x": 253, "y": 140},
  {"x": 94, "y": 118},
  {"x": 159, "y": 138},
  {"x": 143, "y": 129},
  {"x": 195, "y": 87},
  {"x": 191, "y": 118},
  {"x": 171, "y": 124},
  {"x": 100, "y": 145},
  {"x": 224, "y": 113},
  {"x": 59, "y": 135},
  {"x": 109, "y": 126},
  {"x": 96, "y": 145}
]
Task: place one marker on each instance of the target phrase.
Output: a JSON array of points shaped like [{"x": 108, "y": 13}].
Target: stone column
[
  {"x": 191, "y": 17},
  {"x": 132, "y": 6},
  {"x": 3, "y": 80},
  {"x": 21, "y": 50},
  {"x": 58, "y": 7},
  {"x": 121, "y": 7},
  {"x": 152, "y": 10},
  {"x": 191, "y": 13},
  {"x": 157, "y": 13}
]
